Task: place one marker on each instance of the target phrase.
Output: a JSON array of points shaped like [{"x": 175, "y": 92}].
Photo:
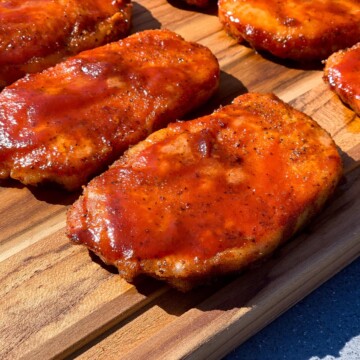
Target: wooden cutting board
[{"x": 57, "y": 301}]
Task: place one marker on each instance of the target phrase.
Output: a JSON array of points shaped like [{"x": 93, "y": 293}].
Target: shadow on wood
[
  {"x": 142, "y": 19},
  {"x": 210, "y": 9},
  {"x": 229, "y": 88}
]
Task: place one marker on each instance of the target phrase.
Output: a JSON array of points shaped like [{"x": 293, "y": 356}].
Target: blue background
[{"x": 325, "y": 325}]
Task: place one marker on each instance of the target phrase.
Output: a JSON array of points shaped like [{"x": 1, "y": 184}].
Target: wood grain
[{"x": 59, "y": 302}]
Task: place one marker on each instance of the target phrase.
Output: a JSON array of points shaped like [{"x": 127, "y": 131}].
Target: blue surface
[{"x": 325, "y": 325}]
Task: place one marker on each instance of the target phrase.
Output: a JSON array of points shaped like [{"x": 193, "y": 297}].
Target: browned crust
[{"x": 293, "y": 29}]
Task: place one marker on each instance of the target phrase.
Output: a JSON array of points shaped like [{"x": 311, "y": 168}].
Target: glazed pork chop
[
  {"x": 208, "y": 196},
  {"x": 342, "y": 73},
  {"x": 71, "y": 121},
  {"x": 36, "y": 34},
  {"x": 294, "y": 29}
]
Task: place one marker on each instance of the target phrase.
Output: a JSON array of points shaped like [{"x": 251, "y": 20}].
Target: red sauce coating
[
  {"x": 36, "y": 34},
  {"x": 242, "y": 179},
  {"x": 299, "y": 30},
  {"x": 71, "y": 121},
  {"x": 342, "y": 72}
]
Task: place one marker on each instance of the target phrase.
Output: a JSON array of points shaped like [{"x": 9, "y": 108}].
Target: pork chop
[
  {"x": 36, "y": 34},
  {"x": 342, "y": 73},
  {"x": 208, "y": 196},
  {"x": 71, "y": 121},
  {"x": 299, "y": 30}
]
